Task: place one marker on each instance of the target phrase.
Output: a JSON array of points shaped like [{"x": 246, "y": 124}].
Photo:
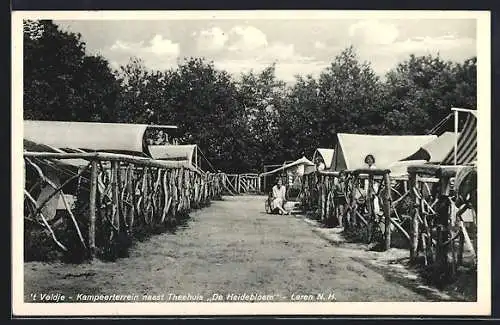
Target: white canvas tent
[
  {"x": 436, "y": 150},
  {"x": 351, "y": 149},
  {"x": 110, "y": 137},
  {"x": 300, "y": 167},
  {"x": 187, "y": 152},
  {"x": 326, "y": 155}
]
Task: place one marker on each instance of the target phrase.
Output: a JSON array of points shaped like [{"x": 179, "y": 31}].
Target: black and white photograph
[{"x": 251, "y": 163}]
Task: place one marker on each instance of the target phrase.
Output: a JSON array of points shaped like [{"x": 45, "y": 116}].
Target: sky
[{"x": 297, "y": 46}]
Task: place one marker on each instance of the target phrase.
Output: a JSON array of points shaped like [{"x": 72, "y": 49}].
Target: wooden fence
[
  {"x": 418, "y": 207},
  {"x": 117, "y": 196},
  {"x": 241, "y": 183}
]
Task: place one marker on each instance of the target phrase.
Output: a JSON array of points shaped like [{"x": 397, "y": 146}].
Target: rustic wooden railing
[
  {"x": 117, "y": 196},
  {"x": 438, "y": 232},
  {"x": 418, "y": 206},
  {"x": 241, "y": 183}
]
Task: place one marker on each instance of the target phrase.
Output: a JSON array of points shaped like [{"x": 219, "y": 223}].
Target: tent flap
[
  {"x": 466, "y": 144},
  {"x": 435, "y": 151}
]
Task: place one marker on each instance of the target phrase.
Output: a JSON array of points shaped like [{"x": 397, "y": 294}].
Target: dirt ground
[{"x": 231, "y": 247}]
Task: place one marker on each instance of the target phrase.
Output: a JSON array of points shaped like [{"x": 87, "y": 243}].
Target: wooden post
[
  {"x": 92, "y": 203},
  {"x": 130, "y": 190},
  {"x": 353, "y": 219},
  {"x": 119, "y": 187},
  {"x": 423, "y": 215},
  {"x": 414, "y": 217},
  {"x": 369, "y": 205},
  {"x": 445, "y": 253},
  {"x": 115, "y": 192},
  {"x": 387, "y": 211}
]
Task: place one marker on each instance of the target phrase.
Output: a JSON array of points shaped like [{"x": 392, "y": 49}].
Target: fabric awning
[
  {"x": 301, "y": 165},
  {"x": 110, "y": 137},
  {"x": 466, "y": 144}
]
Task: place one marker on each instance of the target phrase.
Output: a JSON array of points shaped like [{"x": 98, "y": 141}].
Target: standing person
[
  {"x": 370, "y": 161},
  {"x": 279, "y": 197}
]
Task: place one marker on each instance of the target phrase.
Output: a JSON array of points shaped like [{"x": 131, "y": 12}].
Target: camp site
[{"x": 192, "y": 185}]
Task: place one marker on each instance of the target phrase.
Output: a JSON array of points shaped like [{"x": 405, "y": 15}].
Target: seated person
[{"x": 279, "y": 197}]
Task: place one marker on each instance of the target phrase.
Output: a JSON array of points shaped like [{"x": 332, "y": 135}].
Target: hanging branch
[
  {"x": 46, "y": 223},
  {"x": 66, "y": 205},
  {"x": 59, "y": 188}
]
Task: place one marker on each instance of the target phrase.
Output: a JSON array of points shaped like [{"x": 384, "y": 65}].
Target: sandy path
[{"x": 231, "y": 247}]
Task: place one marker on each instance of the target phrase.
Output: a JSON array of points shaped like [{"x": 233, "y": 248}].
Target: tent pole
[{"x": 456, "y": 137}]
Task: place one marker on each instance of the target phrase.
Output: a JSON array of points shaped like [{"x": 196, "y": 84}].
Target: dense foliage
[{"x": 241, "y": 123}]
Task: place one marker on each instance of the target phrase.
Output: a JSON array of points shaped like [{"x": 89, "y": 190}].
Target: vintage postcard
[{"x": 251, "y": 163}]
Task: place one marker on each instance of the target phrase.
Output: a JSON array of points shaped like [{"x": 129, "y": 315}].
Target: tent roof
[
  {"x": 302, "y": 161},
  {"x": 173, "y": 152},
  {"x": 184, "y": 152},
  {"x": 352, "y": 149},
  {"x": 435, "y": 151},
  {"x": 326, "y": 154},
  {"x": 89, "y": 135},
  {"x": 37, "y": 147},
  {"x": 399, "y": 168}
]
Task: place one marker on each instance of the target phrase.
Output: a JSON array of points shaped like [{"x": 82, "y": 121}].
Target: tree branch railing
[
  {"x": 125, "y": 195},
  {"x": 418, "y": 206}
]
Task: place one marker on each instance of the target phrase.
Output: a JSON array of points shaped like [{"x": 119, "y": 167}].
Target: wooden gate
[{"x": 242, "y": 183}]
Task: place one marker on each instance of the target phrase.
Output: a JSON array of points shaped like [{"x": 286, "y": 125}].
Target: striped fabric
[{"x": 466, "y": 144}]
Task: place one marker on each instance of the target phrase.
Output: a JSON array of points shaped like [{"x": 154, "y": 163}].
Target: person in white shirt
[
  {"x": 279, "y": 197},
  {"x": 370, "y": 161}
]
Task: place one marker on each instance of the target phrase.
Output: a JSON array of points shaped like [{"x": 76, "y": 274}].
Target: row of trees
[{"x": 240, "y": 124}]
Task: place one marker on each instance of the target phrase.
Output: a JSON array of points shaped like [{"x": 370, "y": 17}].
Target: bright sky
[{"x": 298, "y": 46}]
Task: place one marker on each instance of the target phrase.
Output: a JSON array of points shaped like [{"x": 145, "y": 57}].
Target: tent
[
  {"x": 110, "y": 137},
  {"x": 400, "y": 168},
  {"x": 466, "y": 144},
  {"x": 326, "y": 155},
  {"x": 71, "y": 164},
  {"x": 187, "y": 152},
  {"x": 55, "y": 170},
  {"x": 351, "y": 149},
  {"x": 299, "y": 167},
  {"x": 293, "y": 171},
  {"x": 434, "y": 151}
]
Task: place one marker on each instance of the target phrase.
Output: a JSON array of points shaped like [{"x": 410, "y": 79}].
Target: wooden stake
[
  {"x": 93, "y": 194},
  {"x": 369, "y": 204},
  {"x": 387, "y": 211},
  {"x": 115, "y": 189},
  {"x": 414, "y": 217}
]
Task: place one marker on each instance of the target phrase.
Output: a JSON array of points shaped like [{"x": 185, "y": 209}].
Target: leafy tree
[
  {"x": 202, "y": 102},
  {"x": 350, "y": 92},
  {"x": 301, "y": 129},
  {"x": 262, "y": 96},
  {"x": 424, "y": 89},
  {"x": 138, "y": 89},
  {"x": 241, "y": 125},
  {"x": 61, "y": 82},
  {"x": 345, "y": 98}
]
